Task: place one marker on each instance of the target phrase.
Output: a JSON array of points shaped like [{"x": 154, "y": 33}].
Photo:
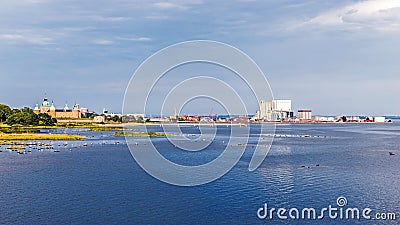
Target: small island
[
  {"x": 141, "y": 134},
  {"x": 34, "y": 136}
]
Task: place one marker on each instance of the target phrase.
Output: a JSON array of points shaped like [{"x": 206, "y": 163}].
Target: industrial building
[
  {"x": 282, "y": 110},
  {"x": 265, "y": 112},
  {"x": 304, "y": 114},
  {"x": 379, "y": 119},
  {"x": 276, "y": 110}
]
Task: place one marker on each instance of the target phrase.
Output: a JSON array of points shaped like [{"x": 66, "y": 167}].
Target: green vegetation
[
  {"x": 76, "y": 125},
  {"x": 5, "y": 112},
  {"x": 18, "y": 130},
  {"x": 16, "y": 147},
  {"x": 132, "y": 119},
  {"x": 46, "y": 120},
  {"x": 28, "y": 136},
  {"x": 106, "y": 128},
  {"x": 140, "y": 134},
  {"x": 7, "y": 143},
  {"x": 113, "y": 118},
  {"x": 24, "y": 116}
]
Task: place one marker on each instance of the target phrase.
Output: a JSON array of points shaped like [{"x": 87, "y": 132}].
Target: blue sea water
[{"x": 102, "y": 183}]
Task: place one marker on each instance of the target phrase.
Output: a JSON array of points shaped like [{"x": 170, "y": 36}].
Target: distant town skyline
[{"x": 334, "y": 57}]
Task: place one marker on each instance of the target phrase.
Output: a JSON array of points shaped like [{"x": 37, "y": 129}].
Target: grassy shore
[
  {"x": 35, "y": 129},
  {"x": 30, "y": 136},
  {"x": 106, "y": 128},
  {"x": 140, "y": 134}
]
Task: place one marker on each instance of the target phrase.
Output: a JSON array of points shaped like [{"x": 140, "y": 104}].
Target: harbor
[{"x": 308, "y": 164}]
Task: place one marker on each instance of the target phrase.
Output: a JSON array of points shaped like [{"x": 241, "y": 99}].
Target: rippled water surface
[{"x": 308, "y": 166}]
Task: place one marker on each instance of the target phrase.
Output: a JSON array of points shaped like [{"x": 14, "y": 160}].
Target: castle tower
[
  {"x": 76, "y": 111},
  {"x": 45, "y": 107},
  {"x": 52, "y": 110},
  {"x": 36, "y": 109}
]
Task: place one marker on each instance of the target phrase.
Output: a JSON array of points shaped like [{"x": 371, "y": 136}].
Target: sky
[{"x": 334, "y": 57}]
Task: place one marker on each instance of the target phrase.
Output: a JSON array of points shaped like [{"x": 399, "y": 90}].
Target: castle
[{"x": 75, "y": 113}]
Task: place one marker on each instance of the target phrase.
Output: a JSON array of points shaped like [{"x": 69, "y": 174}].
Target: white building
[
  {"x": 379, "y": 119},
  {"x": 276, "y": 110},
  {"x": 282, "y": 109},
  {"x": 304, "y": 114},
  {"x": 282, "y": 105},
  {"x": 265, "y": 112}
]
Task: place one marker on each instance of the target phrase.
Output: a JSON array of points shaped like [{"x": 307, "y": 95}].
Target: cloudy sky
[{"x": 335, "y": 57}]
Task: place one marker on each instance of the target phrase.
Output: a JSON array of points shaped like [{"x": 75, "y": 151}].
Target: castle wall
[
  {"x": 58, "y": 113},
  {"x": 74, "y": 114}
]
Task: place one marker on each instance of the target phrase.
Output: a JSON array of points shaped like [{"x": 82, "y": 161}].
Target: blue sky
[{"x": 335, "y": 57}]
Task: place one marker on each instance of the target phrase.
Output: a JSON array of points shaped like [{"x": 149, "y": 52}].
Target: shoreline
[
  {"x": 122, "y": 126},
  {"x": 35, "y": 136}
]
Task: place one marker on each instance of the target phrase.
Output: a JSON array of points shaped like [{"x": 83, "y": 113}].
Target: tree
[
  {"x": 27, "y": 110},
  {"x": 16, "y": 111},
  {"x": 128, "y": 119},
  {"x": 26, "y": 116},
  {"x": 5, "y": 112},
  {"x": 23, "y": 118},
  {"x": 139, "y": 119},
  {"x": 115, "y": 118},
  {"x": 46, "y": 120}
]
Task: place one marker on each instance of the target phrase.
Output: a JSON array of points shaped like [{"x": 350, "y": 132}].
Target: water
[{"x": 101, "y": 183}]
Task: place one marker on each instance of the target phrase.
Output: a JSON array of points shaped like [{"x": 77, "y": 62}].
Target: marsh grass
[
  {"x": 106, "y": 128},
  {"x": 141, "y": 134},
  {"x": 15, "y": 147},
  {"x": 31, "y": 136}
]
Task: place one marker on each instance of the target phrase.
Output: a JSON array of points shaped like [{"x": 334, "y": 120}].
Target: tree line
[{"x": 24, "y": 116}]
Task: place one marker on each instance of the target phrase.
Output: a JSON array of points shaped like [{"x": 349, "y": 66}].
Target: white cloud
[
  {"x": 73, "y": 29},
  {"x": 138, "y": 39},
  {"x": 12, "y": 2},
  {"x": 177, "y": 5},
  {"x": 157, "y": 17},
  {"x": 11, "y": 37},
  {"x": 109, "y": 18},
  {"x": 381, "y": 15},
  {"x": 103, "y": 42},
  {"x": 169, "y": 5},
  {"x": 17, "y": 38}
]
